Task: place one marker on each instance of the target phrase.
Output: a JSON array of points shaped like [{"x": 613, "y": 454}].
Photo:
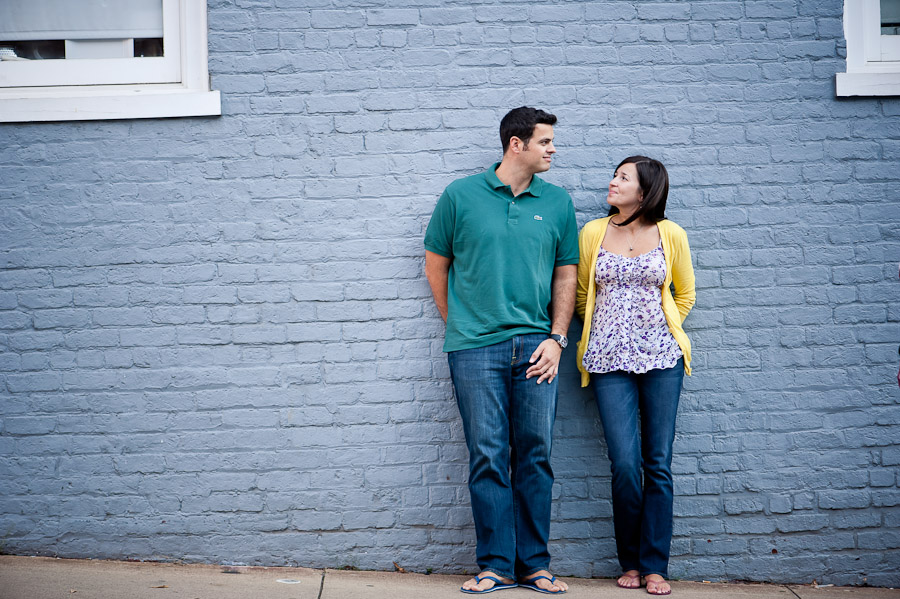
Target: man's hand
[{"x": 545, "y": 361}]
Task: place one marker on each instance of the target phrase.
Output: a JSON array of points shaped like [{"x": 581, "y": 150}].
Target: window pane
[
  {"x": 32, "y": 50},
  {"x": 53, "y": 29},
  {"x": 890, "y": 17}
]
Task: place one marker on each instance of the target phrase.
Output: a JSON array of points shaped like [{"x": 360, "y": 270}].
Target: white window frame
[
  {"x": 177, "y": 85},
  {"x": 873, "y": 60}
]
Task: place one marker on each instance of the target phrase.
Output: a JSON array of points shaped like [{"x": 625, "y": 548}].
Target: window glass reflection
[
  {"x": 890, "y": 17},
  {"x": 57, "y": 29}
]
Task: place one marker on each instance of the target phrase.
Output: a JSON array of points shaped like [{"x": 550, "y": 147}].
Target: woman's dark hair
[
  {"x": 520, "y": 122},
  {"x": 654, "y": 182}
]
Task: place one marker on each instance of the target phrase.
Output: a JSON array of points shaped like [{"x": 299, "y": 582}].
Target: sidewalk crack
[
  {"x": 322, "y": 585},
  {"x": 792, "y": 591}
]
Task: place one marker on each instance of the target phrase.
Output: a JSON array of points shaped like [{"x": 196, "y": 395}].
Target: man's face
[{"x": 538, "y": 154}]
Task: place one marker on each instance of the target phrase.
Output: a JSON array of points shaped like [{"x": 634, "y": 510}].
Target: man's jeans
[
  {"x": 642, "y": 516},
  {"x": 508, "y": 422}
]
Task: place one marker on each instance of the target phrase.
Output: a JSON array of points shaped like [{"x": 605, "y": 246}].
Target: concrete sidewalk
[{"x": 46, "y": 578}]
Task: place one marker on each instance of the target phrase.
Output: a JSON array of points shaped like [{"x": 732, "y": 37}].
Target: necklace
[
  {"x": 633, "y": 237},
  {"x": 631, "y": 243}
]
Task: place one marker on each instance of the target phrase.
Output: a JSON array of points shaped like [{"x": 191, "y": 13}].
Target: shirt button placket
[{"x": 512, "y": 217}]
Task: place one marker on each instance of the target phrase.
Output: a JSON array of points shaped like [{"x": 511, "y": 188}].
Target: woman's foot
[
  {"x": 657, "y": 585},
  {"x": 545, "y": 583},
  {"x": 485, "y": 582},
  {"x": 630, "y": 579}
]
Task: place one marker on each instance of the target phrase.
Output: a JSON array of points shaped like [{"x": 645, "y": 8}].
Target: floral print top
[{"x": 628, "y": 328}]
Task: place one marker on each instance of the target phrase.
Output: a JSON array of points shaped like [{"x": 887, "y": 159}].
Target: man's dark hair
[
  {"x": 654, "y": 182},
  {"x": 519, "y": 122}
]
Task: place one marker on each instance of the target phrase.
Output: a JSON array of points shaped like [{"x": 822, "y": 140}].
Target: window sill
[
  {"x": 867, "y": 84},
  {"x": 101, "y": 102}
]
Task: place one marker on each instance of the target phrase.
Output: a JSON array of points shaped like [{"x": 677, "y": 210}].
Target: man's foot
[
  {"x": 657, "y": 585},
  {"x": 487, "y": 582},
  {"x": 544, "y": 582},
  {"x": 630, "y": 579}
]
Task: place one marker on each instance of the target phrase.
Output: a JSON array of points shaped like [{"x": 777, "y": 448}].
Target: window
[
  {"x": 872, "y": 30},
  {"x": 96, "y": 59}
]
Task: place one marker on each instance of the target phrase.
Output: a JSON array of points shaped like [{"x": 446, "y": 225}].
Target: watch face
[{"x": 563, "y": 342}]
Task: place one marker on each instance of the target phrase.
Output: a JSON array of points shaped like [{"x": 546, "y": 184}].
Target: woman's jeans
[
  {"x": 508, "y": 422},
  {"x": 630, "y": 404}
]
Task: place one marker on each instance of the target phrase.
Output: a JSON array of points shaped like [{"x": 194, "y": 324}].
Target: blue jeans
[
  {"x": 638, "y": 415},
  {"x": 508, "y": 422}
]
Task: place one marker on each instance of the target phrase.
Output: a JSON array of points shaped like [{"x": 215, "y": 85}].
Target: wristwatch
[{"x": 561, "y": 339}]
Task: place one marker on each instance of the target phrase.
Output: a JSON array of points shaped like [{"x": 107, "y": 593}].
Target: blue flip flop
[
  {"x": 498, "y": 585},
  {"x": 530, "y": 584}
]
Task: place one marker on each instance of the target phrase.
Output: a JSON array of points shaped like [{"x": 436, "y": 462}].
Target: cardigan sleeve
[
  {"x": 585, "y": 249},
  {"x": 683, "y": 276}
]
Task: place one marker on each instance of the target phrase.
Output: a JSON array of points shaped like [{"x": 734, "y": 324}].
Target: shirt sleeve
[
  {"x": 567, "y": 250},
  {"x": 439, "y": 234}
]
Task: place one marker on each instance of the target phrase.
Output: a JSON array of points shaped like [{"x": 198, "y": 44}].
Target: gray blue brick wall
[{"x": 217, "y": 344}]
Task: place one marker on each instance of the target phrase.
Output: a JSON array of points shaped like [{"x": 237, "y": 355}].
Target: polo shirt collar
[{"x": 534, "y": 188}]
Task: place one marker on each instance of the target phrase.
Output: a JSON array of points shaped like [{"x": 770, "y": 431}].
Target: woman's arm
[
  {"x": 683, "y": 276},
  {"x": 585, "y": 259}
]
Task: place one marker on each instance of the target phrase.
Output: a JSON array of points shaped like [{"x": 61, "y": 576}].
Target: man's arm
[
  {"x": 545, "y": 359},
  {"x": 437, "y": 271}
]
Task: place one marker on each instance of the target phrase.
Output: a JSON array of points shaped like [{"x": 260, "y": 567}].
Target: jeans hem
[
  {"x": 534, "y": 570},
  {"x": 663, "y": 574},
  {"x": 499, "y": 573}
]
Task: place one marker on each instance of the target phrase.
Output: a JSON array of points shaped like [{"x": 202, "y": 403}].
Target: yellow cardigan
[{"x": 678, "y": 270}]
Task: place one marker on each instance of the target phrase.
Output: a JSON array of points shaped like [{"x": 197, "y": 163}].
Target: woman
[{"x": 634, "y": 350}]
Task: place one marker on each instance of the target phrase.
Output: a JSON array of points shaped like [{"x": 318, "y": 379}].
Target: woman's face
[{"x": 624, "y": 190}]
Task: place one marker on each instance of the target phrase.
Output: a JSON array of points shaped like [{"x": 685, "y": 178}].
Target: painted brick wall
[{"x": 216, "y": 342}]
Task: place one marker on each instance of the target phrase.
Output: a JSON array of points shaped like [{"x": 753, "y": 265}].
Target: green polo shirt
[{"x": 503, "y": 251}]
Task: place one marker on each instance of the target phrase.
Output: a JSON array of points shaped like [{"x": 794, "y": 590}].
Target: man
[{"x": 501, "y": 258}]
